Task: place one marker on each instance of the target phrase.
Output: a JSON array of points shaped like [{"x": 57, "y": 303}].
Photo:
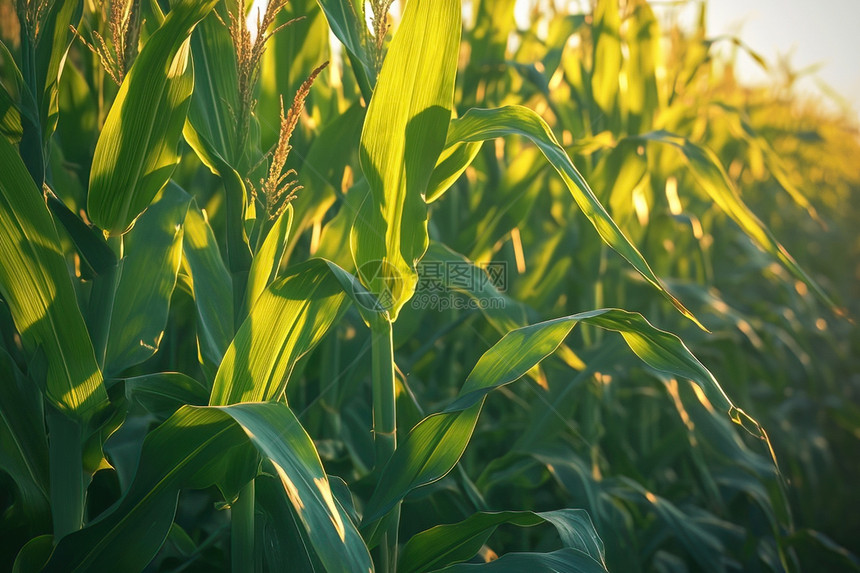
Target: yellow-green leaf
[
  {"x": 136, "y": 151},
  {"x": 267, "y": 261},
  {"x": 403, "y": 135},
  {"x": 287, "y": 321},
  {"x": 35, "y": 284}
]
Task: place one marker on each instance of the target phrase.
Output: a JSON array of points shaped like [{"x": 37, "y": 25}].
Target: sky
[{"x": 812, "y": 32}]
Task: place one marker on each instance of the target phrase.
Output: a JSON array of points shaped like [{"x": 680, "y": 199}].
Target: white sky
[{"x": 822, "y": 32}]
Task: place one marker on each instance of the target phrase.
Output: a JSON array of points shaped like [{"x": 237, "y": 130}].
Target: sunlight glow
[
  {"x": 333, "y": 513},
  {"x": 672, "y": 196},
  {"x": 255, "y": 14}
]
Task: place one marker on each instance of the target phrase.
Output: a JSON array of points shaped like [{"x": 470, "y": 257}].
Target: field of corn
[{"x": 334, "y": 285}]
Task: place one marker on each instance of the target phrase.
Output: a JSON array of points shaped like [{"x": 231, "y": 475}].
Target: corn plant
[{"x": 277, "y": 303}]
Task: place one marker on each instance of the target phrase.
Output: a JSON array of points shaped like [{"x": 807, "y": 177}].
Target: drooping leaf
[
  {"x": 137, "y": 150},
  {"x": 35, "y": 284},
  {"x": 451, "y": 543},
  {"x": 403, "y": 135},
  {"x": 483, "y": 124},
  {"x": 163, "y": 393},
  {"x": 453, "y": 161},
  {"x": 435, "y": 445},
  {"x": 713, "y": 179}
]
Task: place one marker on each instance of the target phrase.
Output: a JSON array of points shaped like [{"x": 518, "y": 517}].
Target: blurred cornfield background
[{"x": 259, "y": 313}]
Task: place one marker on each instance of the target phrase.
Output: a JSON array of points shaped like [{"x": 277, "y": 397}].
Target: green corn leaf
[
  {"x": 288, "y": 320},
  {"x": 163, "y": 393},
  {"x": 713, "y": 179},
  {"x": 284, "y": 537},
  {"x": 504, "y": 313},
  {"x": 184, "y": 452},
  {"x": 703, "y": 546},
  {"x": 42, "y": 66},
  {"x": 10, "y": 117},
  {"x": 446, "y": 544},
  {"x": 136, "y": 152},
  {"x": 561, "y": 561},
  {"x": 495, "y": 22},
  {"x": 403, "y": 135},
  {"x": 153, "y": 250},
  {"x": 304, "y": 44},
  {"x": 55, "y": 38},
  {"x": 267, "y": 261},
  {"x": 10, "y": 109},
  {"x": 435, "y": 445},
  {"x": 336, "y": 232},
  {"x": 606, "y": 67},
  {"x": 618, "y": 174},
  {"x": 278, "y": 435},
  {"x": 35, "y": 284},
  {"x": 741, "y": 128},
  {"x": 34, "y": 555},
  {"x": 453, "y": 161},
  {"x": 346, "y": 20},
  {"x": 642, "y": 37},
  {"x": 24, "y": 447},
  {"x": 211, "y": 117},
  {"x": 89, "y": 242},
  {"x": 212, "y": 287},
  {"x": 483, "y": 124},
  {"x": 575, "y": 476}
]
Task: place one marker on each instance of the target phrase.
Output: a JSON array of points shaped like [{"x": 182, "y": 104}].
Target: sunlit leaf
[
  {"x": 35, "y": 284},
  {"x": 137, "y": 149},
  {"x": 403, "y": 135},
  {"x": 288, "y": 320},
  {"x": 482, "y": 124}
]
